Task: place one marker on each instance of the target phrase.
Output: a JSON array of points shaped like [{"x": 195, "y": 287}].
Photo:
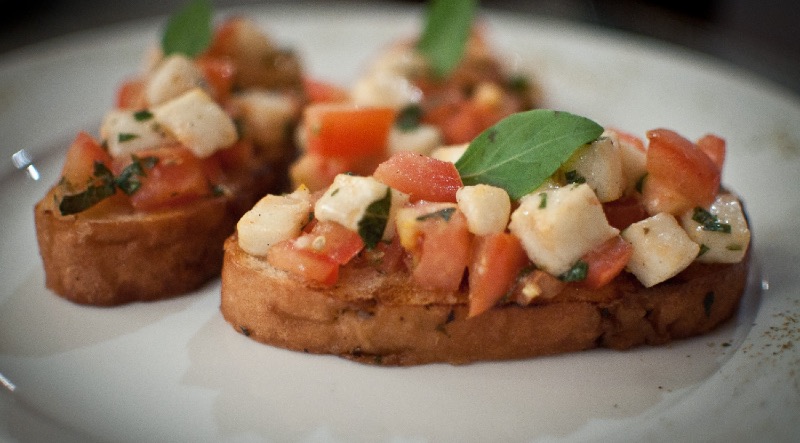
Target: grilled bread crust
[{"x": 379, "y": 318}]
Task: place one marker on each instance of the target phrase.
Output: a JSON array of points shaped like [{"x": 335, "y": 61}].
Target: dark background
[{"x": 761, "y": 36}]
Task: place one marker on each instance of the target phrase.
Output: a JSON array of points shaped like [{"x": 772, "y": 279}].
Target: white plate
[{"x": 175, "y": 371}]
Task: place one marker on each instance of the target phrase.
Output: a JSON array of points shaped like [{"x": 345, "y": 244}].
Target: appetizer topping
[
  {"x": 189, "y": 30},
  {"x": 126, "y": 132},
  {"x": 273, "y": 219},
  {"x": 661, "y": 249},
  {"x": 721, "y": 230},
  {"x": 486, "y": 207},
  {"x": 447, "y": 28},
  {"x": 197, "y": 122},
  {"x": 173, "y": 77}
]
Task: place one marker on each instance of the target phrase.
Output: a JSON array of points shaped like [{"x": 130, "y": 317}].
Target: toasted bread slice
[
  {"x": 115, "y": 258},
  {"x": 383, "y": 318}
]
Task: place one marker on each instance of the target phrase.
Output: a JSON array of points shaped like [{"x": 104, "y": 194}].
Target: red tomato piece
[
  {"x": 496, "y": 261},
  {"x": 714, "y": 147},
  {"x": 629, "y": 139},
  {"x": 606, "y": 261},
  {"x": 624, "y": 212},
  {"x": 81, "y": 157},
  {"x": 303, "y": 263},
  {"x": 345, "y": 130},
  {"x": 332, "y": 240},
  {"x": 318, "y": 91},
  {"x": 442, "y": 253},
  {"x": 420, "y": 176},
  {"x": 131, "y": 95},
  {"x": 219, "y": 73},
  {"x": 177, "y": 178},
  {"x": 680, "y": 166}
]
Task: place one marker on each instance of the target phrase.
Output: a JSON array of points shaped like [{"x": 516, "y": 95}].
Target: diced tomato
[
  {"x": 318, "y": 91},
  {"x": 442, "y": 251},
  {"x": 303, "y": 263},
  {"x": 682, "y": 168},
  {"x": 80, "y": 159},
  {"x": 177, "y": 178},
  {"x": 496, "y": 261},
  {"x": 131, "y": 95},
  {"x": 347, "y": 131},
  {"x": 219, "y": 73},
  {"x": 236, "y": 157},
  {"x": 420, "y": 176},
  {"x": 623, "y": 212},
  {"x": 463, "y": 125},
  {"x": 606, "y": 261},
  {"x": 317, "y": 172},
  {"x": 331, "y": 240},
  {"x": 714, "y": 147},
  {"x": 390, "y": 255}
]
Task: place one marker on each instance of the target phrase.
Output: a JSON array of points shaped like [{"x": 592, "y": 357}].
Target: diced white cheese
[
  {"x": 174, "y": 76},
  {"x": 273, "y": 219},
  {"x": 600, "y": 164},
  {"x": 348, "y": 198},
  {"x": 558, "y": 226},
  {"x": 267, "y": 116},
  {"x": 126, "y": 134},
  {"x": 385, "y": 89},
  {"x": 423, "y": 139},
  {"x": 661, "y": 249},
  {"x": 450, "y": 153},
  {"x": 634, "y": 160},
  {"x": 198, "y": 122},
  {"x": 486, "y": 208},
  {"x": 725, "y": 241}
]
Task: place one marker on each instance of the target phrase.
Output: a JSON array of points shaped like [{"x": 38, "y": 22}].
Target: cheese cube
[
  {"x": 197, "y": 122},
  {"x": 486, "y": 208},
  {"x": 273, "y": 219},
  {"x": 347, "y": 199},
  {"x": 127, "y": 132},
  {"x": 449, "y": 153},
  {"x": 724, "y": 235},
  {"x": 267, "y": 116},
  {"x": 634, "y": 160},
  {"x": 173, "y": 77},
  {"x": 423, "y": 139},
  {"x": 661, "y": 249},
  {"x": 558, "y": 226},
  {"x": 600, "y": 164}
]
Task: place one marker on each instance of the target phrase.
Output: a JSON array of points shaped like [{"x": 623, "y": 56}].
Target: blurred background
[{"x": 761, "y": 36}]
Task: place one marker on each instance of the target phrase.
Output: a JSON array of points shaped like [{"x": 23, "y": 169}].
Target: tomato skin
[
  {"x": 81, "y": 157},
  {"x": 420, "y": 176},
  {"x": 345, "y": 130},
  {"x": 442, "y": 252},
  {"x": 178, "y": 178},
  {"x": 606, "y": 261},
  {"x": 714, "y": 147},
  {"x": 303, "y": 262},
  {"x": 496, "y": 261},
  {"x": 219, "y": 73},
  {"x": 331, "y": 240},
  {"x": 623, "y": 212},
  {"x": 131, "y": 95},
  {"x": 318, "y": 91},
  {"x": 678, "y": 167}
]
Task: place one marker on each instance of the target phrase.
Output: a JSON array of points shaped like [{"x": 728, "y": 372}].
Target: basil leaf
[
  {"x": 128, "y": 180},
  {"x": 577, "y": 272},
  {"x": 188, "y": 31},
  {"x": 521, "y": 151},
  {"x": 373, "y": 223},
  {"x": 101, "y": 188},
  {"x": 444, "y": 37}
]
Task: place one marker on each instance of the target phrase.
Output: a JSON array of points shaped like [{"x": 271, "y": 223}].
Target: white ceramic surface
[{"x": 175, "y": 371}]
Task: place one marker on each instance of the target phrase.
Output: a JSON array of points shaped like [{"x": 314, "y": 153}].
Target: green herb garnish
[
  {"x": 708, "y": 302},
  {"x": 710, "y": 221},
  {"x": 444, "y": 214},
  {"x": 123, "y": 137},
  {"x": 103, "y": 184},
  {"x": 542, "y": 200},
  {"x": 188, "y": 31},
  {"x": 373, "y": 223},
  {"x": 521, "y": 151},
  {"x": 573, "y": 177},
  {"x": 143, "y": 115},
  {"x": 577, "y": 272},
  {"x": 409, "y": 118},
  {"x": 444, "y": 37}
]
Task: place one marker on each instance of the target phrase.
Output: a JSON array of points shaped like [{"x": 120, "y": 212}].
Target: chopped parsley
[
  {"x": 409, "y": 118},
  {"x": 126, "y": 137},
  {"x": 444, "y": 214},
  {"x": 573, "y": 177},
  {"x": 143, "y": 115},
  {"x": 542, "y": 200},
  {"x": 710, "y": 221},
  {"x": 577, "y": 272},
  {"x": 372, "y": 225}
]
